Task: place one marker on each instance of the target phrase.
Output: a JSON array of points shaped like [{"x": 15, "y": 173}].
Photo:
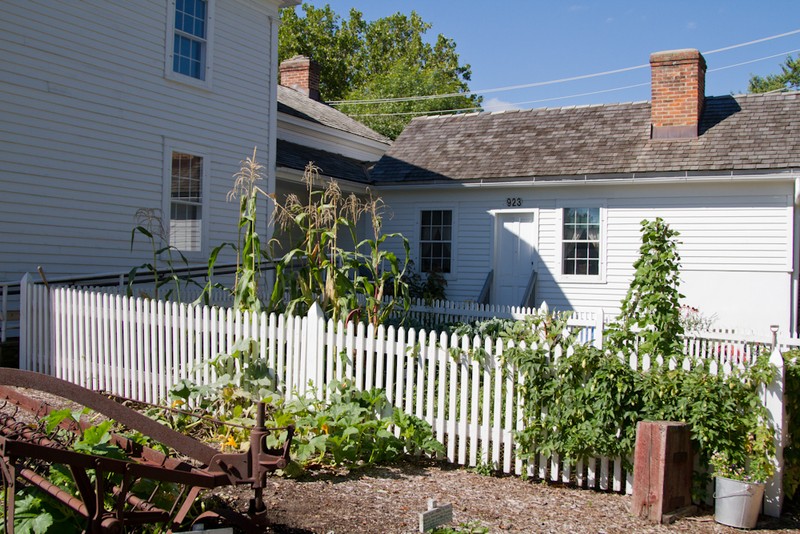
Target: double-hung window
[
  {"x": 186, "y": 202},
  {"x": 581, "y": 241},
  {"x": 436, "y": 241},
  {"x": 190, "y": 31}
]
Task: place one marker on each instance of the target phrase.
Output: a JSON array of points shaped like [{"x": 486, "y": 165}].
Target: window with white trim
[
  {"x": 190, "y": 38},
  {"x": 436, "y": 241},
  {"x": 580, "y": 241},
  {"x": 186, "y": 202}
]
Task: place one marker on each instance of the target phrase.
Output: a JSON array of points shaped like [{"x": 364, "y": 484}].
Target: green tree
[
  {"x": 385, "y": 58},
  {"x": 789, "y": 78}
]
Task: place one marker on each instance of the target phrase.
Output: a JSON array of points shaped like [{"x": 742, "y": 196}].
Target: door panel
[{"x": 515, "y": 248}]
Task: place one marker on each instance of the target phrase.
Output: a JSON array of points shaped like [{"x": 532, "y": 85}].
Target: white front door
[{"x": 514, "y": 256}]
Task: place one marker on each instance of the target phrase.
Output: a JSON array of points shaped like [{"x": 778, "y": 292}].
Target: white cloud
[
  {"x": 495, "y": 104},
  {"x": 691, "y": 25}
]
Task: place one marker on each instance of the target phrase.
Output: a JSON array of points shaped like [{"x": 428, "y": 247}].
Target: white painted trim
[
  {"x": 341, "y": 135},
  {"x": 562, "y": 278},
  {"x": 415, "y": 249},
  {"x": 782, "y": 176},
  {"x": 208, "y": 52},
  {"x": 171, "y": 146},
  {"x": 274, "y": 22}
]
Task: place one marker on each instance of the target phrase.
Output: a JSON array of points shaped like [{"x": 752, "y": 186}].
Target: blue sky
[{"x": 518, "y": 42}]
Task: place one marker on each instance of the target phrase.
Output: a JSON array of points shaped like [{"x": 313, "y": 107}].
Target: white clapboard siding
[
  {"x": 141, "y": 348},
  {"x": 736, "y": 240},
  {"x": 87, "y": 104}
]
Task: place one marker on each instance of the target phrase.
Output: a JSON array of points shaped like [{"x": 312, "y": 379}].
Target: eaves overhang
[{"x": 789, "y": 174}]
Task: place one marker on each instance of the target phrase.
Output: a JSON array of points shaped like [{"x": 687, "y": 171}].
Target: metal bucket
[{"x": 737, "y": 503}]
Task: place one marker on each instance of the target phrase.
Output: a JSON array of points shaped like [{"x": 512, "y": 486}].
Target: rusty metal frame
[{"x": 21, "y": 444}]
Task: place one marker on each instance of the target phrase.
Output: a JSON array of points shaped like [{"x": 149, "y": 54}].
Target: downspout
[
  {"x": 272, "y": 125},
  {"x": 794, "y": 321}
]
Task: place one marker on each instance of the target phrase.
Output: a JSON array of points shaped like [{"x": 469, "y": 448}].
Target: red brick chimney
[
  {"x": 301, "y": 74},
  {"x": 678, "y": 92}
]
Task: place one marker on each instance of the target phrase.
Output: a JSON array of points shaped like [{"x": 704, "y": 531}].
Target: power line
[
  {"x": 755, "y": 60},
  {"x": 549, "y": 82},
  {"x": 564, "y": 97}
]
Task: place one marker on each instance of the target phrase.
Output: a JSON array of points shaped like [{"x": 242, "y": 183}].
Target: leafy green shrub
[
  {"x": 791, "y": 453},
  {"x": 354, "y": 428}
]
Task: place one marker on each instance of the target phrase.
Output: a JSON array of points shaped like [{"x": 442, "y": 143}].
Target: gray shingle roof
[
  {"x": 293, "y": 156},
  {"x": 294, "y": 103},
  {"x": 745, "y": 132}
]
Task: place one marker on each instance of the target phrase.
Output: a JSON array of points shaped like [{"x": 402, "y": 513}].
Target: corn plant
[
  {"x": 149, "y": 223},
  {"x": 346, "y": 282}
]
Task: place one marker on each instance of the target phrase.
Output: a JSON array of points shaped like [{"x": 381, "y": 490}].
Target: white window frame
[
  {"x": 166, "y": 206},
  {"x": 208, "y": 48},
  {"x": 559, "y": 263},
  {"x": 417, "y": 250}
]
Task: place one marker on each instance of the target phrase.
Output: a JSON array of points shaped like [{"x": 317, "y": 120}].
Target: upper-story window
[
  {"x": 190, "y": 38},
  {"x": 436, "y": 241},
  {"x": 186, "y": 202},
  {"x": 581, "y": 241}
]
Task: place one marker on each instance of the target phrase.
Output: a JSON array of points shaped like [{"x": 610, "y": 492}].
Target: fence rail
[{"x": 141, "y": 348}]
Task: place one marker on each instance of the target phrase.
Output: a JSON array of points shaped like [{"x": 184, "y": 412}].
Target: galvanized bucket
[{"x": 737, "y": 503}]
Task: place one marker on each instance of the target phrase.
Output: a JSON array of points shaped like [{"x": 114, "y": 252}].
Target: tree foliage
[
  {"x": 386, "y": 58},
  {"x": 789, "y": 78}
]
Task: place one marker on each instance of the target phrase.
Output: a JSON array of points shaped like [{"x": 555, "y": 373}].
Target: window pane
[
  {"x": 435, "y": 240},
  {"x": 190, "y": 21},
  {"x": 186, "y": 206},
  {"x": 581, "y": 241}
]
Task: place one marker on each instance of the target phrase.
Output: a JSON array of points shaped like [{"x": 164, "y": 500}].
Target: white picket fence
[{"x": 140, "y": 348}]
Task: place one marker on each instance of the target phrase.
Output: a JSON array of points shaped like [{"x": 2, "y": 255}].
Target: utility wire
[
  {"x": 564, "y": 97},
  {"x": 549, "y": 82}
]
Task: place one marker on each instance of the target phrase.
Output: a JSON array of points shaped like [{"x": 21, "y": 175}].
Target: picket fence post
[
  {"x": 773, "y": 493},
  {"x": 314, "y": 345},
  {"x": 25, "y": 322},
  {"x": 599, "y": 327}
]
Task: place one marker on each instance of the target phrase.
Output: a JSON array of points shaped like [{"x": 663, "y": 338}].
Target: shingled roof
[
  {"x": 294, "y": 156},
  {"x": 299, "y": 105},
  {"x": 736, "y": 133}
]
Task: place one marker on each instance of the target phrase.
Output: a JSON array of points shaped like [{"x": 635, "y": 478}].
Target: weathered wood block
[{"x": 662, "y": 469}]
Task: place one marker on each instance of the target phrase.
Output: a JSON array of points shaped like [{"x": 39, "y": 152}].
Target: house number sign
[{"x": 514, "y": 202}]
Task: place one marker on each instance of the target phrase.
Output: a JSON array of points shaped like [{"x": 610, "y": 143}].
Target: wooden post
[
  {"x": 662, "y": 469},
  {"x": 24, "y": 322},
  {"x": 773, "y": 400}
]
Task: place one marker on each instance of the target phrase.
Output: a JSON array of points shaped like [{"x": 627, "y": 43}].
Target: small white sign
[{"x": 436, "y": 516}]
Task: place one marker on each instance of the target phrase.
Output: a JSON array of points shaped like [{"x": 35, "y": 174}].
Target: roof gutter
[{"x": 588, "y": 179}]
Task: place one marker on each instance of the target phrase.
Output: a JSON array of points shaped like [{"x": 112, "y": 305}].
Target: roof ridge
[{"x": 484, "y": 113}]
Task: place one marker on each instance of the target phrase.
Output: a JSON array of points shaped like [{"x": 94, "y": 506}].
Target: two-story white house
[{"x": 109, "y": 107}]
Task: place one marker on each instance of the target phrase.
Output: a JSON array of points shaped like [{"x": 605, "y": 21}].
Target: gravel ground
[{"x": 389, "y": 500}]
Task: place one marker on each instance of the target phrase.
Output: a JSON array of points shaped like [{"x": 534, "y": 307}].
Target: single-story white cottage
[{"x": 545, "y": 205}]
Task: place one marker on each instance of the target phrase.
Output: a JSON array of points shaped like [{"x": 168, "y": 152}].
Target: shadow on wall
[{"x": 520, "y": 276}]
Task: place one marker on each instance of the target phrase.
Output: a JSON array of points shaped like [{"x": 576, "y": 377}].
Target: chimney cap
[{"x": 677, "y": 56}]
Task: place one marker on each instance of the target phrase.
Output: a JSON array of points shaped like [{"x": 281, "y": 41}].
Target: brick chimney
[
  {"x": 678, "y": 92},
  {"x": 301, "y": 74}
]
